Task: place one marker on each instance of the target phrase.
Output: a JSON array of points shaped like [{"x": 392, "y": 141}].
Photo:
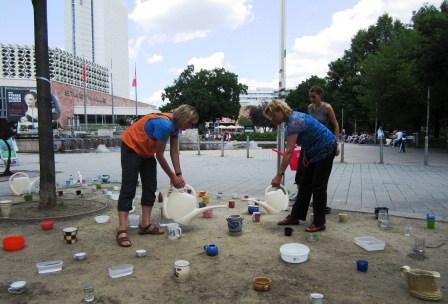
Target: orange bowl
[
  {"x": 48, "y": 225},
  {"x": 13, "y": 243}
]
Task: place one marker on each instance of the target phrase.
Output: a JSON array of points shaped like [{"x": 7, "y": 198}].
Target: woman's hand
[
  {"x": 178, "y": 181},
  {"x": 276, "y": 181},
  {"x": 338, "y": 150}
]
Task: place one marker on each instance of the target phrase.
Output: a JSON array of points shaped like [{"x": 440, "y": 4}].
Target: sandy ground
[{"x": 225, "y": 278}]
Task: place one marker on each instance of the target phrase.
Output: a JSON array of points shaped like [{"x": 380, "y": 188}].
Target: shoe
[
  {"x": 122, "y": 240},
  {"x": 150, "y": 229},
  {"x": 315, "y": 228},
  {"x": 289, "y": 220},
  {"x": 327, "y": 210}
]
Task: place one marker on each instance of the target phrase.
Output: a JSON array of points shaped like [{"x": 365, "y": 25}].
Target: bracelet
[{"x": 178, "y": 173}]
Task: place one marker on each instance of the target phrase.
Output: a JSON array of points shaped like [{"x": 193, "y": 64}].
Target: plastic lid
[{"x": 429, "y": 216}]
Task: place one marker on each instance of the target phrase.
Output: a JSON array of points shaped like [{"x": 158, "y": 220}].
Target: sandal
[
  {"x": 121, "y": 240},
  {"x": 315, "y": 228},
  {"x": 289, "y": 220},
  {"x": 150, "y": 229}
]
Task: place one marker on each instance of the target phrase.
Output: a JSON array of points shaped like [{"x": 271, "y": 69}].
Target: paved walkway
[{"x": 360, "y": 183}]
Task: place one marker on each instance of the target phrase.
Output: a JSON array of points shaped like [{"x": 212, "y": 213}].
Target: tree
[
  {"x": 47, "y": 197},
  {"x": 214, "y": 93},
  {"x": 256, "y": 114},
  {"x": 244, "y": 121}
]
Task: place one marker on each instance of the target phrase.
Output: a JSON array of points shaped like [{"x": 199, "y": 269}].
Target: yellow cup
[{"x": 206, "y": 199}]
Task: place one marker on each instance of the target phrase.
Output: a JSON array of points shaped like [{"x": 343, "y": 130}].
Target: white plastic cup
[{"x": 134, "y": 220}]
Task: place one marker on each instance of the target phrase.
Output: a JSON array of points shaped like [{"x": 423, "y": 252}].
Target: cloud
[
  {"x": 311, "y": 55},
  {"x": 156, "y": 99},
  {"x": 183, "y": 20},
  {"x": 134, "y": 46},
  {"x": 154, "y": 58},
  {"x": 206, "y": 63}
]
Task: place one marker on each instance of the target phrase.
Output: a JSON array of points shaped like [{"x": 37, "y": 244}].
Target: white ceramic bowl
[
  {"x": 294, "y": 253},
  {"x": 101, "y": 219},
  {"x": 140, "y": 253},
  {"x": 80, "y": 256}
]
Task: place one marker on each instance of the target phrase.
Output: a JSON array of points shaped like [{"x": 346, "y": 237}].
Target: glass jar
[
  {"x": 383, "y": 218},
  {"x": 88, "y": 293}
]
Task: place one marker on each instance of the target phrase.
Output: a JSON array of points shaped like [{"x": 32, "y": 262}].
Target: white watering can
[
  {"x": 20, "y": 183},
  {"x": 181, "y": 206},
  {"x": 276, "y": 200}
]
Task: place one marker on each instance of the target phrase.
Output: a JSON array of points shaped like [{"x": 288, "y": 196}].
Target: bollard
[
  {"x": 222, "y": 145},
  {"x": 247, "y": 143},
  {"x": 199, "y": 145},
  {"x": 381, "y": 150},
  {"x": 342, "y": 148}
]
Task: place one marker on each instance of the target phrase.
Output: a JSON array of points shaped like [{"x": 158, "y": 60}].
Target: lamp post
[{"x": 427, "y": 127}]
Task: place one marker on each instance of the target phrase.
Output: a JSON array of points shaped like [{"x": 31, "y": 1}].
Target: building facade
[
  {"x": 97, "y": 31},
  {"x": 18, "y": 83}
]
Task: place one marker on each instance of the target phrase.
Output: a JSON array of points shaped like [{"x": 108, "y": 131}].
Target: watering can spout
[
  {"x": 188, "y": 218},
  {"x": 269, "y": 209}
]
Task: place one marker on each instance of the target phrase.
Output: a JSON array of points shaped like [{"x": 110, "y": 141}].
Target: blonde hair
[
  {"x": 277, "y": 105},
  {"x": 186, "y": 114}
]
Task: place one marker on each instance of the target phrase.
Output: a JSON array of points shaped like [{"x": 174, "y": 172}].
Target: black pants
[
  {"x": 131, "y": 165},
  {"x": 314, "y": 183}
]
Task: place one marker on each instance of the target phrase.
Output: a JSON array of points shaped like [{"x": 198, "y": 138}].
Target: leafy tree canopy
[{"x": 214, "y": 93}]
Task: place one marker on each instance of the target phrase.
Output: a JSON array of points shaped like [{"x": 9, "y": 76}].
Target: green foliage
[
  {"x": 266, "y": 136},
  {"x": 214, "y": 93},
  {"x": 244, "y": 121}
]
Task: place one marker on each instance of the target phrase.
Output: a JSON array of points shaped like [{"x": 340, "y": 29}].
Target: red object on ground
[
  {"x": 48, "y": 225},
  {"x": 13, "y": 243},
  {"x": 294, "y": 162}
]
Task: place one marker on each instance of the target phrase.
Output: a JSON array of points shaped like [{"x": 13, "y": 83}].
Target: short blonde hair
[
  {"x": 185, "y": 114},
  {"x": 277, "y": 105}
]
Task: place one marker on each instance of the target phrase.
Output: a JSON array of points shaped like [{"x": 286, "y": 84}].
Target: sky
[{"x": 242, "y": 36}]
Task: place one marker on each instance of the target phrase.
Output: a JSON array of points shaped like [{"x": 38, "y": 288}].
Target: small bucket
[
  {"x": 235, "y": 224},
  {"x": 70, "y": 235}
]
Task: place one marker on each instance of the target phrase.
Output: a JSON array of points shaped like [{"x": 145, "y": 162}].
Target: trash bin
[{"x": 415, "y": 139}]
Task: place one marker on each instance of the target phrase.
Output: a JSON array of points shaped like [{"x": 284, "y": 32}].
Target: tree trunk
[{"x": 47, "y": 197}]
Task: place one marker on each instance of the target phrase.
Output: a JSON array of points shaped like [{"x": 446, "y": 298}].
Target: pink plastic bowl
[
  {"x": 48, "y": 225},
  {"x": 13, "y": 243}
]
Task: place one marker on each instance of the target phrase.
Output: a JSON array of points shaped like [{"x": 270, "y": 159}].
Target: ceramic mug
[
  {"x": 173, "y": 231},
  {"x": 316, "y": 298},
  {"x": 232, "y": 204},
  {"x": 17, "y": 287},
  {"x": 211, "y": 249},
  {"x": 105, "y": 177},
  {"x": 256, "y": 216},
  {"x": 181, "y": 271}
]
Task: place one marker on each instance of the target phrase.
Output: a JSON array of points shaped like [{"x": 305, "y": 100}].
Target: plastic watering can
[{"x": 181, "y": 206}]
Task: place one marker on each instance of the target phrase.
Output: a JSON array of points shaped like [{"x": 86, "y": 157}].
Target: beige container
[
  {"x": 5, "y": 207},
  {"x": 181, "y": 271}
]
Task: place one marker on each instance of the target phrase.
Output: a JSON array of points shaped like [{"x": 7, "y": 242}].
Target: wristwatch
[{"x": 280, "y": 172}]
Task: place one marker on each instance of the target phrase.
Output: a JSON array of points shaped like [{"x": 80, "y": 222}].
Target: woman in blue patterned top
[{"x": 319, "y": 145}]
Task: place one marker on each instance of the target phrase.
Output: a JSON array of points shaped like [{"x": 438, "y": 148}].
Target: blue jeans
[{"x": 132, "y": 165}]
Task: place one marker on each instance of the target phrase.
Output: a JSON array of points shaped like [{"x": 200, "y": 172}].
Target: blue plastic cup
[{"x": 362, "y": 265}]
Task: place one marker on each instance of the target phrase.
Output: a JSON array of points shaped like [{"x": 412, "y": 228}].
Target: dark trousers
[
  {"x": 132, "y": 165},
  {"x": 314, "y": 183}
]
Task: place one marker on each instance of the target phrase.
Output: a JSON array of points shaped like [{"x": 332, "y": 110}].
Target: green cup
[
  {"x": 430, "y": 221},
  {"x": 98, "y": 186}
]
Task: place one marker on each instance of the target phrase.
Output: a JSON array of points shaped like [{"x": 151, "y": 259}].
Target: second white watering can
[
  {"x": 275, "y": 200},
  {"x": 181, "y": 206}
]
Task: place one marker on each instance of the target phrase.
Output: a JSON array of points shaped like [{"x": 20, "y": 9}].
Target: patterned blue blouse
[{"x": 314, "y": 138}]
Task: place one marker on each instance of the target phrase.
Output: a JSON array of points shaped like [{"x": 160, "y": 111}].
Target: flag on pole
[
  {"x": 84, "y": 73},
  {"x": 134, "y": 81}
]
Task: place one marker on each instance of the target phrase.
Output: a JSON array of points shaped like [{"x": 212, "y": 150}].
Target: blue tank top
[{"x": 315, "y": 138}]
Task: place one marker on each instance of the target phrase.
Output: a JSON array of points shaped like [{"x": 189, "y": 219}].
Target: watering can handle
[
  {"x": 182, "y": 190},
  {"x": 281, "y": 186}
]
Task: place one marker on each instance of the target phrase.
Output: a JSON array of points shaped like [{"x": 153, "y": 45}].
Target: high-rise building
[{"x": 97, "y": 30}]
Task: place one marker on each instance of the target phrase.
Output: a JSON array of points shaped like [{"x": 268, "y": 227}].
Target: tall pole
[
  {"x": 282, "y": 83},
  {"x": 376, "y": 121},
  {"x": 135, "y": 78},
  {"x": 85, "y": 80},
  {"x": 427, "y": 127},
  {"x": 112, "y": 91}
]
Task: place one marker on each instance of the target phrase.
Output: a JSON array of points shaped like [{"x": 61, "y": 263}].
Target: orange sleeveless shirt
[{"x": 136, "y": 138}]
